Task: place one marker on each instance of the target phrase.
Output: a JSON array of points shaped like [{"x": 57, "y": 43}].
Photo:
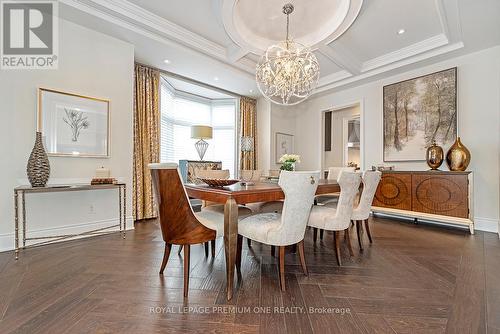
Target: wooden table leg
[{"x": 230, "y": 242}]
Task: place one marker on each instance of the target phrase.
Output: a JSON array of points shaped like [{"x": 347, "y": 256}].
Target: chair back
[
  {"x": 178, "y": 223},
  {"x": 250, "y": 175},
  {"x": 371, "y": 180},
  {"x": 221, "y": 174},
  {"x": 349, "y": 187},
  {"x": 334, "y": 172},
  {"x": 299, "y": 189}
]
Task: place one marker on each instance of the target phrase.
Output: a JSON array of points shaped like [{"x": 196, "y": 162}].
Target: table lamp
[
  {"x": 246, "y": 146},
  {"x": 201, "y": 132}
]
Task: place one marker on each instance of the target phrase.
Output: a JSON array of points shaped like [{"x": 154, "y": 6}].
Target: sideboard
[{"x": 441, "y": 196}]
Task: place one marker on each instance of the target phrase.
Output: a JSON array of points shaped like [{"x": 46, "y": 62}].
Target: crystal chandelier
[{"x": 288, "y": 72}]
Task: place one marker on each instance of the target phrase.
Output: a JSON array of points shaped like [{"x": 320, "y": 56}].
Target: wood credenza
[{"x": 431, "y": 195}]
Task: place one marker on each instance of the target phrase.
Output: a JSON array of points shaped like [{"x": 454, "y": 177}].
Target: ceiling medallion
[{"x": 288, "y": 72}]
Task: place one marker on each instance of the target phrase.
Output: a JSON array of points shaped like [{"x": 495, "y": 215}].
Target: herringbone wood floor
[{"x": 412, "y": 279}]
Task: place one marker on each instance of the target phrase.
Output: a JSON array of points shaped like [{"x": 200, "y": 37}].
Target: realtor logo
[{"x": 29, "y": 34}]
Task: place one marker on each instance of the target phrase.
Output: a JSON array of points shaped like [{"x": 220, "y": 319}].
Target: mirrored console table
[{"x": 20, "y": 206}]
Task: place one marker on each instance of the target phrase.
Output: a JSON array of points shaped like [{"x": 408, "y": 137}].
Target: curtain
[
  {"x": 248, "y": 128},
  {"x": 146, "y": 139}
]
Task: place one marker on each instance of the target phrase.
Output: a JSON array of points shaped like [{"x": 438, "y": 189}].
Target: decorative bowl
[{"x": 218, "y": 182}]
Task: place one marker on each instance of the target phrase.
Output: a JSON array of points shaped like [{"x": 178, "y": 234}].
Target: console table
[
  {"x": 20, "y": 205},
  {"x": 441, "y": 196}
]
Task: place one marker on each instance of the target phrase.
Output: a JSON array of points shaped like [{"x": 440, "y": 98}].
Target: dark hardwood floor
[{"x": 412, "y": 279}]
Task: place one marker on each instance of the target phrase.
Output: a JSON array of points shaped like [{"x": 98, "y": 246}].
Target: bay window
[{"x": 179, "y": 111}]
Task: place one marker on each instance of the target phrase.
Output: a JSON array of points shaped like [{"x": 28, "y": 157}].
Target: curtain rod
[{"x": 199, "y": 83}]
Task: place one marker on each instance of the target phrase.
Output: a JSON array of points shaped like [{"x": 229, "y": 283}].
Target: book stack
[{"x": 103, "y": 176}]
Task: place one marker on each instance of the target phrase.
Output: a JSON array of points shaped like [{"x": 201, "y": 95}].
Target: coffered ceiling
[{"x": 219, "y": 42}]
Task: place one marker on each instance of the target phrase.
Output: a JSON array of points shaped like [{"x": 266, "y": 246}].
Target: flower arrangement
[{"x": 288, "y": 161}]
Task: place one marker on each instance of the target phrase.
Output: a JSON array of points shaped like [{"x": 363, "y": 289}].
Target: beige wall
[
  {"x": 91, "y": 64},
  {"x": 478, "y": 122}
]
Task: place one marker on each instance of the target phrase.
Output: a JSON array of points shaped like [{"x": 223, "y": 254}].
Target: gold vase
[
  {"x": 434, "y": 156},
  {"x": 458, "y": 156}
]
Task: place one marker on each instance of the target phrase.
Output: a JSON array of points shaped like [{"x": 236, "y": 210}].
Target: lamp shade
[
  {"x": 201, "y": 132},
  {"x": 246, "y": 144}
]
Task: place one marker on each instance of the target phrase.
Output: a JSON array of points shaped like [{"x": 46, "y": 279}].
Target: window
[{"x": 179, "y": 111}]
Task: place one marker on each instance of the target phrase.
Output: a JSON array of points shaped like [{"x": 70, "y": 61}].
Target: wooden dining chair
[
  {"x": 179, "y": 224},
  {"x": 339, "y": 218},
  {"x": 361, "y": 213},
  {"x": 287, "y": 228}
]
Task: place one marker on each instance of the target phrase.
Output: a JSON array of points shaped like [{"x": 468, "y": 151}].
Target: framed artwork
[
  {"x": 73, "y": 125},
  {"x": 284, "y": 145},
  {"x": 418, "y": 112}
]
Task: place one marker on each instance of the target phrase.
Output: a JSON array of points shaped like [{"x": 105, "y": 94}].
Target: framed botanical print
[
  {"x": 73, "y": 125},
  {"x": 284, "y": 145},
  {"x": 418, "y": 112}
]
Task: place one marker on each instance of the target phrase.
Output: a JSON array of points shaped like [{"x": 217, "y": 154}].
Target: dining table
[{"x": 240, "y": 194}]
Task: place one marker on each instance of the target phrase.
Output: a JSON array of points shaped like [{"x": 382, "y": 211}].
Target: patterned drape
[
  {"x": 248, "y": 128},
  {"x": 146, "y": 139}
]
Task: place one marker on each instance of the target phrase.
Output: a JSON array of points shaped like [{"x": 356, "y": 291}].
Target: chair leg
[
  {"x": 239, "y": 246},
  {"x": 206, "y": 248},
  {"x": 166, "y": 254},
  {"x": 358, "y": 231},
  {"x": 321, "y": 234},
  {"x": 180, "y": 250},
  {"x": 347, "y": 239},
  {"x": 186, "y": 269},
  {"x": 315, "y": 234},
  {"x": 282, "y": 267},
  {"x": 367, "y": 227},
  {"x": 336, "y": 242},
  {"x": 273, "y": 251},
  {"x": 249, "y": 242},
  {"x": 212, "y": 244},
  {"x": 302, "y": 257}
]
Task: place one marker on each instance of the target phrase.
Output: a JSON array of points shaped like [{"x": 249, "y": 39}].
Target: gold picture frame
[{"x": 73, "y": 134}]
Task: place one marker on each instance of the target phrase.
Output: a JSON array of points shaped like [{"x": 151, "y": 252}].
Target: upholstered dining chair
[
  {"x": 217, "y": 207},
  {"x": 333, "y": 174},
  {"x": 361, "y": 213},
  {"x": 287, "y": 228},
  {"x": 250, "y": 175},
  {"x": 179, "y": 224},
  {"x": 339, "y": 218}
]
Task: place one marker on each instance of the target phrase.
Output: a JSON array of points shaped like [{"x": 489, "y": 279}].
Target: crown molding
[
  {"x": 407, "y": 52},
  {"x": 134, "y": 18}
]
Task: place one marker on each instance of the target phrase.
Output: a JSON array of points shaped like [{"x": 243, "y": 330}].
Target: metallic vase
[
  {"x": 434, "y": 156},
  {"x": 458, "y": 156},
  {"x": 38, "y": 168}
]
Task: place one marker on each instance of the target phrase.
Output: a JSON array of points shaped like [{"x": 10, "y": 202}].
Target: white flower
[{"x": 290, "y": 158}]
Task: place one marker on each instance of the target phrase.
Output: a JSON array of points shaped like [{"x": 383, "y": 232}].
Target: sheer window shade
[{"x": 179, "y": 113}]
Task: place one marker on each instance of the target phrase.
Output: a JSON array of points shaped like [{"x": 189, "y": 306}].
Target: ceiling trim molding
[
  {"x": 341, "y": 57},
  {"x": 141, "y": 21},
  {"x": 408, "y": 61},
  {"x": 407, "y": 52},
  {"x": 134, "y": 18}
]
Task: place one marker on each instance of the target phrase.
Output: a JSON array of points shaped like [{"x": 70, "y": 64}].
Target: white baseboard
[
  {"x": 486, "y": 224},
  {"x": 7, "y": 240}
]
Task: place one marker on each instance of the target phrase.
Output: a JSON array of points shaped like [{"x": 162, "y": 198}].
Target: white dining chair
[
  {"x": 215, "y": 209},
  {"x": 339, "y": 218},
  {"x": 361, "y": 213},
  {"x": 287, "y": 228},
  {"x": 249, "y": 175},
  {"x": 329, "y": 199}
]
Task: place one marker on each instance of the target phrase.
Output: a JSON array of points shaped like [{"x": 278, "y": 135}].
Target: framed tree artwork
[
  {"x": 73, "y": 125},
  {"x": 418, "y": 112}
]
